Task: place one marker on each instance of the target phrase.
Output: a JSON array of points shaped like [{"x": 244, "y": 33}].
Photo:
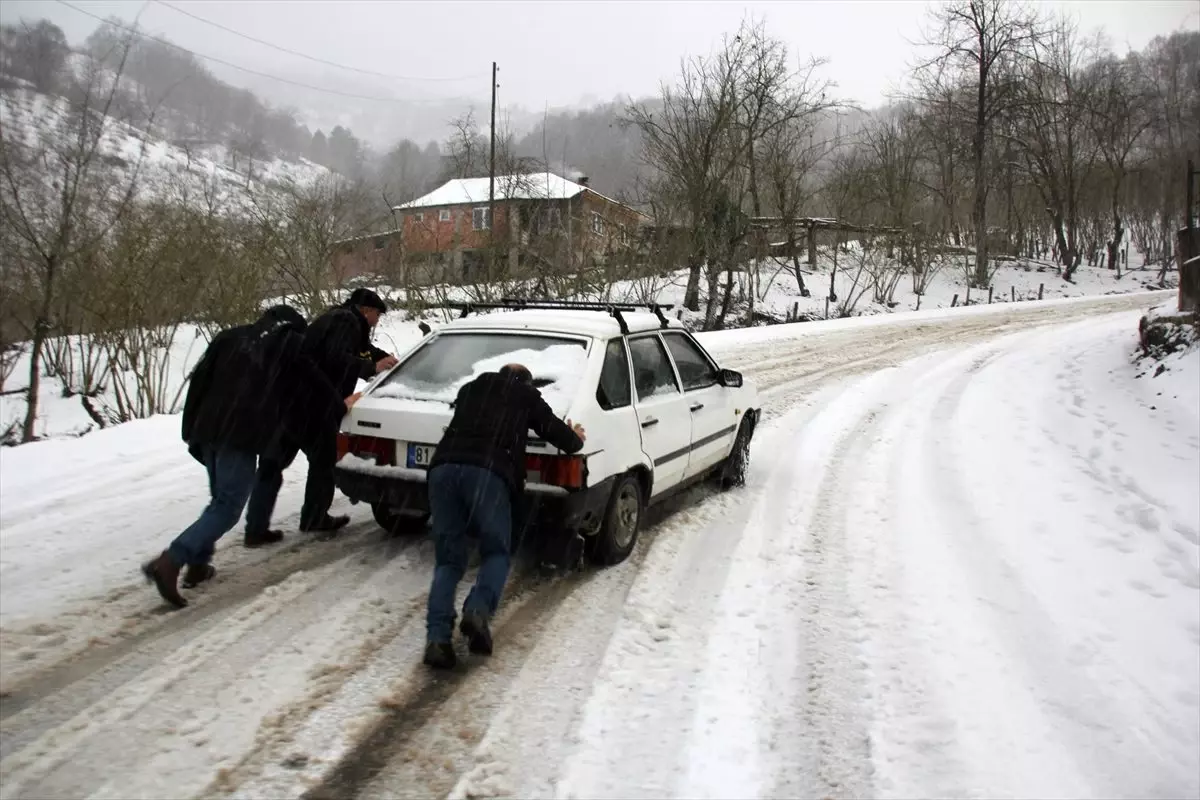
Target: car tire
[
  {"x": 397, "y": 523},
  {"x": 733, "y": 471},
  {"x": 622, "y": 520}
]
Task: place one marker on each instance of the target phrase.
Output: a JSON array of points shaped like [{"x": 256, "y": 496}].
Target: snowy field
[{"x": 966, "y": 563}]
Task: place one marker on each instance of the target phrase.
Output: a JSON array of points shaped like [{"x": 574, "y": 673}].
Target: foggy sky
[{"x": 565, "y": 53}]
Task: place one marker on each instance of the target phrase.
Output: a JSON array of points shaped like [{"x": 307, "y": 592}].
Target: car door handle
[
  {"x": 697, "y": 406},
  {"x": 649, "y": 422}
]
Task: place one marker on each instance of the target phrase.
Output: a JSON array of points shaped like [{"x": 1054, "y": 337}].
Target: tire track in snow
[
  {"x": 975, "y": 687},
  {"x": 440, "y": 701},
  {"x": 429, "y": 733},
  {"x": 665, "y": 690},
  {"x": 246, "y": 661},
  {"x": 150, "y": 629},
  {"x": 1067, "y": 680},
  {"x": 834, "y": 726}
]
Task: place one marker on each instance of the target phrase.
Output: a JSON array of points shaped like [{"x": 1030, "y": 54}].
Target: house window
[
  {"x": 444, "y": 215},
  {"x": 481, "y": 219},
  {"x": 418, "y": 217},
  {"x": 597, "y": 225},
  {"x": 380, "y": 242},
  {"x": 624, "y": 237}
]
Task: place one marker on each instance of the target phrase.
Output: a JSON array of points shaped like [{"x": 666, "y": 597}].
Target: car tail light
[
  {"x": 382, "y": 451},
  {"x": 569, "y": 472}
]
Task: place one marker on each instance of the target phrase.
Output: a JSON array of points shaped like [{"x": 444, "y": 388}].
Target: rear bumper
[{"x": 552, "y": 506}]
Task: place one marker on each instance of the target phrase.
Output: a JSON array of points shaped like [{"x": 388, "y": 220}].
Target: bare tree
[
  {"x": 1052, "y": 132},
  {"x": 300, "y": 227},
  {"x": 36, "y": 52},
  {"x": 892, "y": 146},
  {"x": 60, "y": 198},
  {"x": 944, "y": 133},
  {"x": 1119, "y": 117},
  {"x": 689, "y": 142},
  {"x": 1170, "y": 67},
  {"x": 979, "y": 42}
]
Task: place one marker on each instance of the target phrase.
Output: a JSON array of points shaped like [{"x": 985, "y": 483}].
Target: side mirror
[{"x": 730, "y": 378}]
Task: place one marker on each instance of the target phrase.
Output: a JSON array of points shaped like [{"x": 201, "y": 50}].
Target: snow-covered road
[{"x": 966, "y": 563}]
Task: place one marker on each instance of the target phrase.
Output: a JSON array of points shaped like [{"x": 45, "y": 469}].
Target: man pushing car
[{"x": 476, "y": 474}]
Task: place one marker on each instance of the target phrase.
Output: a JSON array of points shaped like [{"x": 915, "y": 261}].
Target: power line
[
  {"x": 305, "y": 55},
  {"x": 216, "y": 60}
]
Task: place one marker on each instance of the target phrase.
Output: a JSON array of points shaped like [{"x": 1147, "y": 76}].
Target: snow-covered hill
[{"x": 189, "y": 170}]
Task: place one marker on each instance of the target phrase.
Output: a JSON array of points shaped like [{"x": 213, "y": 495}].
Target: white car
[{"x": 682, "y": 418}]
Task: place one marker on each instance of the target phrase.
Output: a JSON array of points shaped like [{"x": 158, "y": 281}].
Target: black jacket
[
  {"x": 339, "y": 341},
  {"x": 250, "y": 380},
  {"x": 493, "y": 415},
  {"x": 311, "y": 405}
]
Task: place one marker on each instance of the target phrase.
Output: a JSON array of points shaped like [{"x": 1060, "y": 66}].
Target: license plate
[{"x": 419, "y": 455}]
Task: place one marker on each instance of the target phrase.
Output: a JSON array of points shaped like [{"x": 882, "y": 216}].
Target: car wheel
[
  {"x": 733, "y": 474},
  {"x": 622, "y": 521},
  {"x": 397, "y": 523}
]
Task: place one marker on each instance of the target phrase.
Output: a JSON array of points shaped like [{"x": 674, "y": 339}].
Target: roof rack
[{"x": 613, "y": 309}]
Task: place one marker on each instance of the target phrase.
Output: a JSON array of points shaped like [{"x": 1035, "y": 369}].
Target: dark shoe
[
  {"x": 440, "y": 655},
  {"x": 474, "y": 626},
  {"x": 163, "y": 573},
  {"x": 327, "y": 524},
  {"x": 264, "y": 538},
  {"x": 198, "y": 573}
]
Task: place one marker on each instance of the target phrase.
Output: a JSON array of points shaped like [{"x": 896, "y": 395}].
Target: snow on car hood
[{"x": 560, "y": 367}]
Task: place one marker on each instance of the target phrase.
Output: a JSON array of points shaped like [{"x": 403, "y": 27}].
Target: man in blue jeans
[
  {"x": 476, "y": 473},
  {"x": 247, "y": 378}
]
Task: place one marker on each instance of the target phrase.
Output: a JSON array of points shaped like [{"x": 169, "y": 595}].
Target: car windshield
[{"x": 438, "y": 370}]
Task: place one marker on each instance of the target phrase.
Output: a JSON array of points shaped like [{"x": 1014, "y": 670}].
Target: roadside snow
[{"x": 975, "y": 574}]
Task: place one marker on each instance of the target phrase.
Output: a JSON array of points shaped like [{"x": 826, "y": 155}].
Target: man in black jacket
[
  {"x": 476, "y": 473},
  {"x": 339, "y": 342},
  {"x": 247, "y": 377}
]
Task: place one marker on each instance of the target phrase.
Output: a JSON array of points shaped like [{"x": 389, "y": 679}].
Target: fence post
[
  {"x": 795, "y": 311},
  {"x": 1014, "y": 293},
  {"x": 954, "y": 301},
  {"x": 990, "y": 290},
  {"x": 1041, "y": 287}
]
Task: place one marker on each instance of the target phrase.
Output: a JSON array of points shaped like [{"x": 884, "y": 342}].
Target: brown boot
[{"x": 164, "y": 573}]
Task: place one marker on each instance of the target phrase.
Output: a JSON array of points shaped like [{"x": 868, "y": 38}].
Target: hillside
[{"x": 165, "y": 169}]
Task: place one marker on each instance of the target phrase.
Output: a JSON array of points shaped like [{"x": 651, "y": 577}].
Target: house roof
[{"x": 530, "y": 186}]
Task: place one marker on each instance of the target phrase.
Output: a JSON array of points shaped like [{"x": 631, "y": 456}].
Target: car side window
[
  {"x": 614, "y": 390},
  {"x": 652, "y": 373},
  {"x": 695, "y": 370}
]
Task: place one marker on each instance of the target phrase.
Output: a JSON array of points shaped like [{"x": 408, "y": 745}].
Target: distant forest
[{"x": 192, "y": 106}]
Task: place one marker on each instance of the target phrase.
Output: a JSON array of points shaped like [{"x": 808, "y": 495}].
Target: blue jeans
[
  {"x": 230, "y": 477},
  {"x": 462, "y": 498}
]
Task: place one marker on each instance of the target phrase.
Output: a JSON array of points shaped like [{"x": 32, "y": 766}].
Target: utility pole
[{"x": 492, "y": 180}]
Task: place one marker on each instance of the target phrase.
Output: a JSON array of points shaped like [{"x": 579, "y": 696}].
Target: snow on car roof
[{"x": 598, "y": 324}]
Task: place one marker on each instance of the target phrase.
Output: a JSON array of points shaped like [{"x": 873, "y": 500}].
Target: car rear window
[{"x": 439, "y": 369}]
